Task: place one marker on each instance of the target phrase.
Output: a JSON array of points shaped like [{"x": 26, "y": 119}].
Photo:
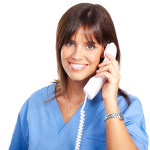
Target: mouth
[{"x": 77, "y": 66}]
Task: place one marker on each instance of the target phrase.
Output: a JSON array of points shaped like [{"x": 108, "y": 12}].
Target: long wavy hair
[{"x": 96, "y": 21}]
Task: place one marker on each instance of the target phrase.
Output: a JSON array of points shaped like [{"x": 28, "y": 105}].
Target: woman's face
[{"x": 79, "y": 57}]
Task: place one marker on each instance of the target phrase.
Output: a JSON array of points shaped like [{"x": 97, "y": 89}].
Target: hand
[{"x": 110, "y": 70}]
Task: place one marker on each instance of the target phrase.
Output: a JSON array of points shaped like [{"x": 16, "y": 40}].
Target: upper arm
[
  {"x": 20, "y": 135},
  {"x": 135, "y": 123},
  {"x": 18, "y": 139}
]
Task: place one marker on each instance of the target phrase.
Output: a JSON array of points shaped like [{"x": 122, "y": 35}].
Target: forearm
[{"x": 117, "y": 136}]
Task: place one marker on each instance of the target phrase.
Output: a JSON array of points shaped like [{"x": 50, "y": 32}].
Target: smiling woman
[
  {"x": 49, "y": 118},
  {"x": 97, "y": 27}
]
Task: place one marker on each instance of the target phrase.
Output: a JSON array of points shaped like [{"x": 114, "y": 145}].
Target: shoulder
[
  {"x": 44, "y": 92},
  {"x": 37, "y": 98},
  {"x": 134, "y": 101},
  {"x": 135, "y": 104}
]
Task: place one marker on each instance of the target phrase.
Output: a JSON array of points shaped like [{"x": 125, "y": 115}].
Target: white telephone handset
[
  {"x": 92, "y": 87},
  {"x": 95, "y": 84}
]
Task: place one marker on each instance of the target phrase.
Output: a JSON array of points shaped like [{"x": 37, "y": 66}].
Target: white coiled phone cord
[{"x": 81, "y": 124}]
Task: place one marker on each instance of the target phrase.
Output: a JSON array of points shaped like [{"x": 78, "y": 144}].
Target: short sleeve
[
  {"x": 135, "y": 124},
  {"x": 20, "y": 135}
]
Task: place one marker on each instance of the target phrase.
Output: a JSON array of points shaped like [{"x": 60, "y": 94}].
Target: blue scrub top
[{"x": 40, "y": 126}]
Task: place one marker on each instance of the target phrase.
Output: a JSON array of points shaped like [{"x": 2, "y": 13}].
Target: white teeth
[{"x": 77, "y": 66}]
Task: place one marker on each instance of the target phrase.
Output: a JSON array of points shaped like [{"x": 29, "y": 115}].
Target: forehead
[{"x": 84, "y": 34}]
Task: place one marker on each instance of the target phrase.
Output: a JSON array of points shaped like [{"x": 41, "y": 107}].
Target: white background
[{"x": 27, "y": 51}]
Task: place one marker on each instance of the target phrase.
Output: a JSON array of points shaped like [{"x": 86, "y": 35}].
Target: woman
[{"x": 49, "y": 119}]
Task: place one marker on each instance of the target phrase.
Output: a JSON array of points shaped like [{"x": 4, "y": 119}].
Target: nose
[{"x": 77, "y": 54}]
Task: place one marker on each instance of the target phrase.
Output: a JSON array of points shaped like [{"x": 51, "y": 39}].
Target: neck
[{"x": 75, "y": 91}]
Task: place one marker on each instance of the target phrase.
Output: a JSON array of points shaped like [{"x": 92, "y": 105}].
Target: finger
[
  {"x": 109, "y": 68},
  {"x": 109, "y": 56},
  {"x": 106, "y": 75},
  {"x": 114, "y": 63},
  {"x": 107, "y": 62}
]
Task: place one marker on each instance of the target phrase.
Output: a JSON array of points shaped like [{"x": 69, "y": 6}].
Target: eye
[
  {"x": 90, "y": 47},
  {"x": 70, "y": 44}
]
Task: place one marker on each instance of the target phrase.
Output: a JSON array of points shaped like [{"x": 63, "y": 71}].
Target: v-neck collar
[
  {"x": 57, "y": 115},
  {"x": 74, "y": 120}
]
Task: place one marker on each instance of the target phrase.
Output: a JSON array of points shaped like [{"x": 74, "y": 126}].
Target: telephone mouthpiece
[{"x": 93, "y": 86}]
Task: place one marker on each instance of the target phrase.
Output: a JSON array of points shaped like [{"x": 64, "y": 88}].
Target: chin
[{"x": 80, "y": 78}]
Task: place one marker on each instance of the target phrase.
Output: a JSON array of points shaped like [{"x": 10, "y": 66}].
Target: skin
[{"x": 117, "y": 136}]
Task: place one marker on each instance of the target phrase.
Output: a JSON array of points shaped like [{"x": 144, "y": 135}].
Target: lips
[{"x": 77, "y": 66}]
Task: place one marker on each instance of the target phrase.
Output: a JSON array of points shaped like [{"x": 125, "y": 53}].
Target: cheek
[
  {"x": 95, "y": 59},
  {"x": 64, "y": 56},
  {"x": 64, "y": 53}
]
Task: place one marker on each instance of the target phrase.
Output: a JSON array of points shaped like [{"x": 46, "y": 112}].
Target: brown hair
[{"x": 93, "y": 17}]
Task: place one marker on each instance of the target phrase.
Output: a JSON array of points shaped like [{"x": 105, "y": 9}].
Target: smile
[{"x": 77, "y": 67}]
